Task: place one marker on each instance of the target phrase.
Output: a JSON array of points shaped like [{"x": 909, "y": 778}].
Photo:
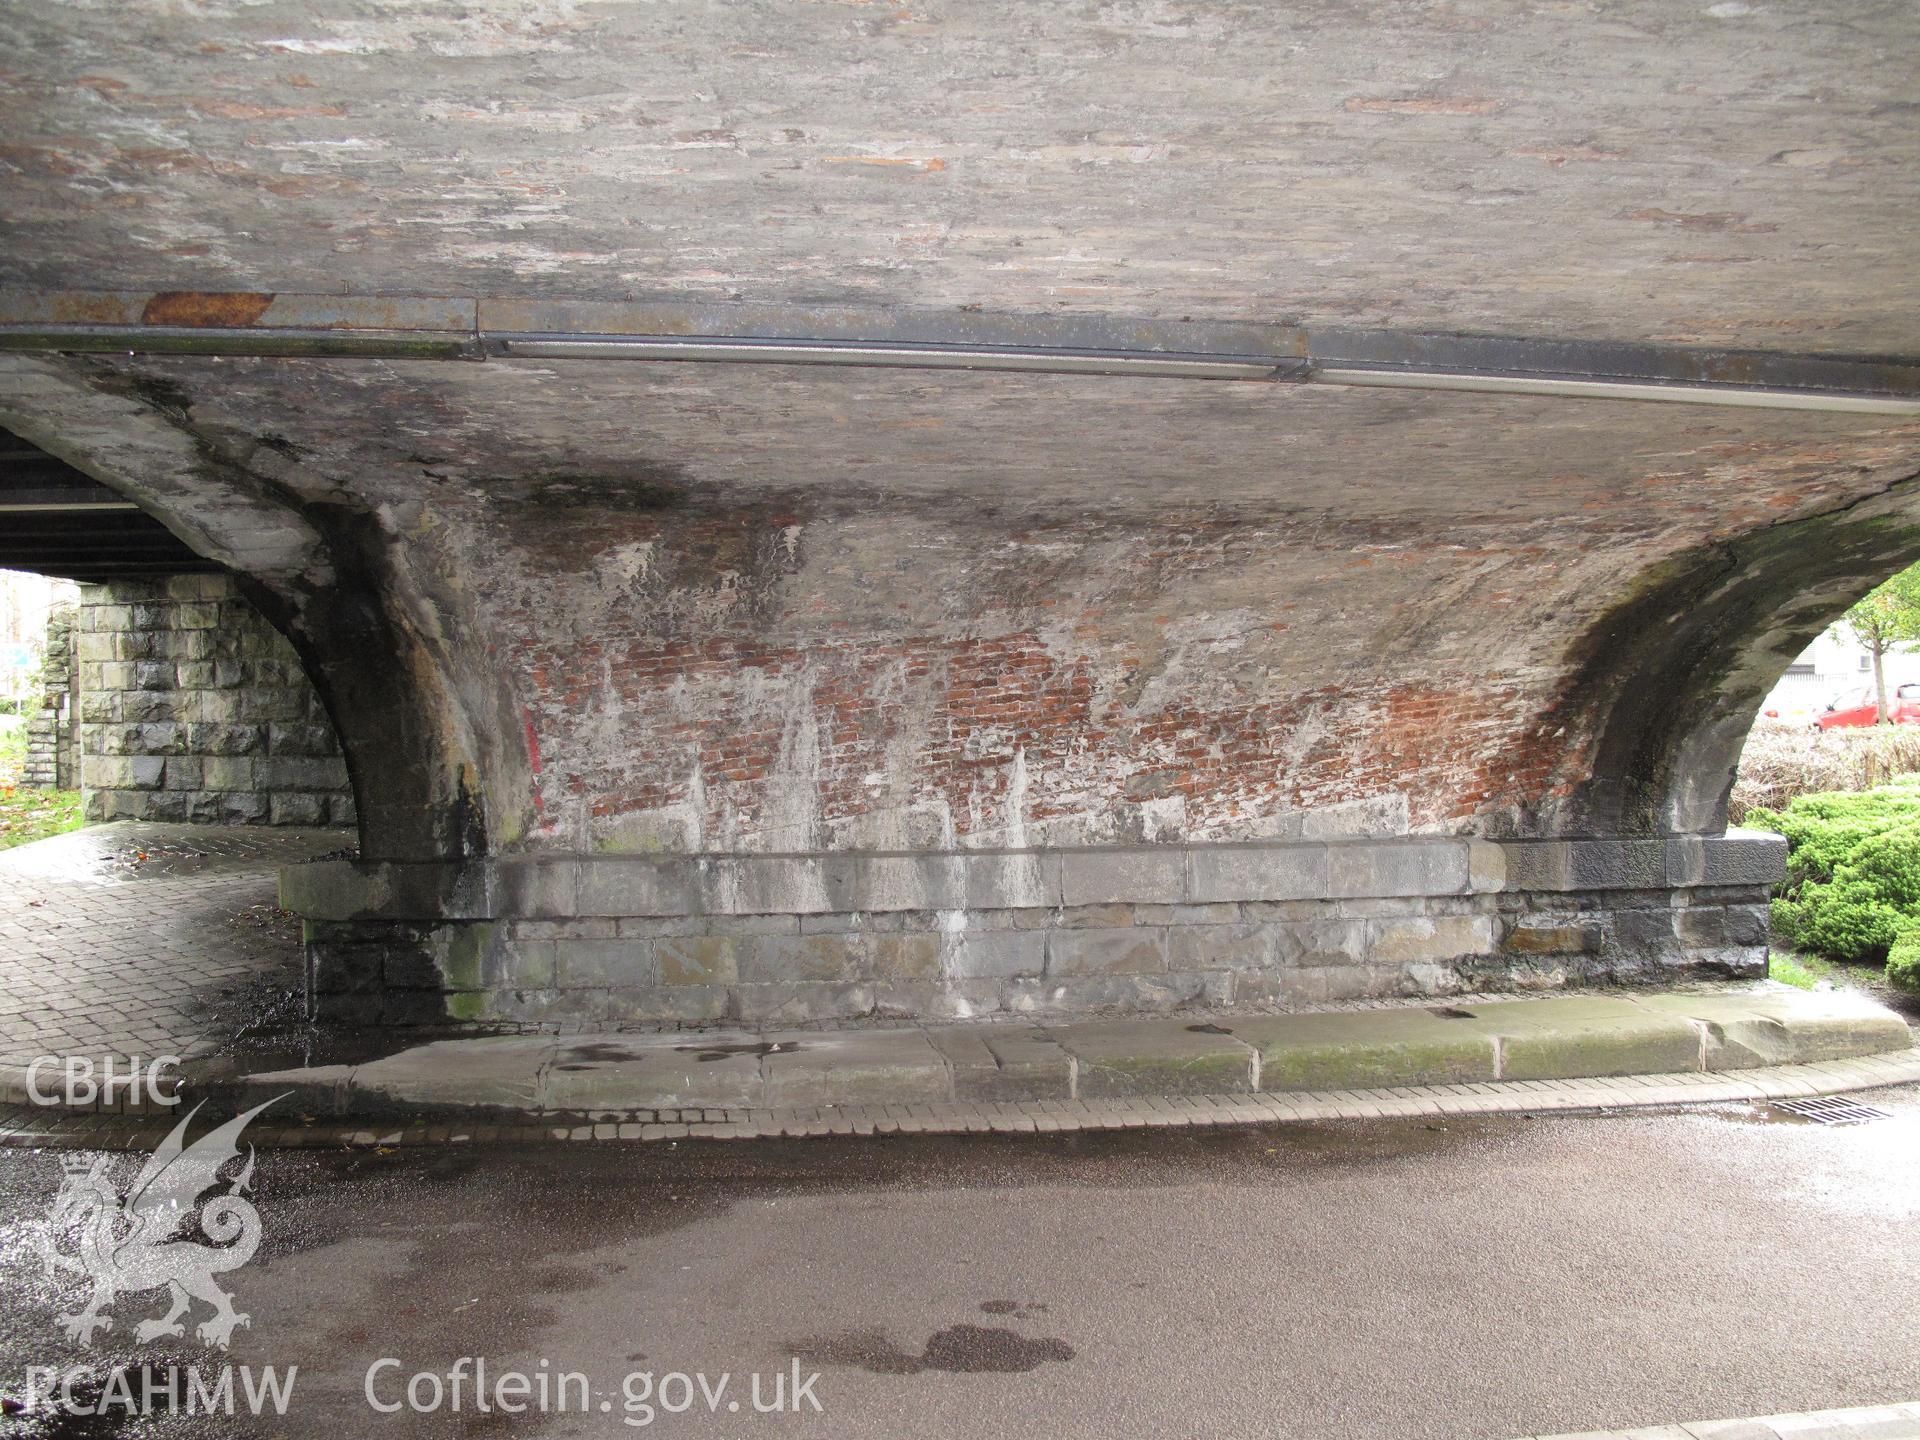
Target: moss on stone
[
  {"x": 468, "y": 1005},
  {"x": 463, "y": 954},
  {"x": 1363, "y": 1050}
]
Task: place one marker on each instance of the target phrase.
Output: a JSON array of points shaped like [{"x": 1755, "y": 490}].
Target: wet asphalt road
[{"x": 1491, "y": 1278}]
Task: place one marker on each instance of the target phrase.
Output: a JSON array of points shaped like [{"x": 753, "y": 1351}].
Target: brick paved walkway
[{"x": 147, "y": 939}]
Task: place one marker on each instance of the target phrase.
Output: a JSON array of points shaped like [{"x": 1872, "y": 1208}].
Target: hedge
[
  {"x": 1903, "y": 960},
  {"x": 1852, "y": 890}
]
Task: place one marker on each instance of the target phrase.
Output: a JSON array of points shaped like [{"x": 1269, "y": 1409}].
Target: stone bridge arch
[
  {"x": 1670, "y": 679},
  {"x": 373, "y": 638}
]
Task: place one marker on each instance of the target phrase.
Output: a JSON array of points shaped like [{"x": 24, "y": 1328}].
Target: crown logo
[{"x": 76, "y": 1163}]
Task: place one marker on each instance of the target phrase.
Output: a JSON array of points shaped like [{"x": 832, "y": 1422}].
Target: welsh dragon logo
[{"x": 133, "y": 1244}]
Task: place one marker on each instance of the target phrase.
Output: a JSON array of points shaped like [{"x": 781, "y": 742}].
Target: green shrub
[
  {"x": 1903, "y": 959},
  {"x": 1853, "y": 870}
]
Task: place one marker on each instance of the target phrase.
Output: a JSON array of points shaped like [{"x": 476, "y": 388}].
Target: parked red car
[{"x": 1903, "y": 708}]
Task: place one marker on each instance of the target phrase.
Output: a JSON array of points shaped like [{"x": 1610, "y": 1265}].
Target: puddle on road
[
  {"x": 1751, "y": 1113},
  {"x": 597, "y": 1050},
  {"x": 956, "y": 1350},
  {"x": 590, "y": 1053},
  {"x": 1767, "y": 1112}
]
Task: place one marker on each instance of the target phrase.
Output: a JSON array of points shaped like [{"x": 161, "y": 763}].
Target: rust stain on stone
[
  {"x": 80, "y": 308},
  {"x": 201, "y": 308}
]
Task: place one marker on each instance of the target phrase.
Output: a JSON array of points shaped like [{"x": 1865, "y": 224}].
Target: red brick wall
[{"x": 754, "y": 680}]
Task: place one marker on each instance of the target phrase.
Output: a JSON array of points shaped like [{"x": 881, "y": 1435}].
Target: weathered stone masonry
[
  {"x": 791, "y": 938},
  {"x": 192, "y": 707},
  {"x": 934, "y": 676}
]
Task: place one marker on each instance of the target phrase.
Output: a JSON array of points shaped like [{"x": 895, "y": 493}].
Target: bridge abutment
[{"x": 790, "y": 938}]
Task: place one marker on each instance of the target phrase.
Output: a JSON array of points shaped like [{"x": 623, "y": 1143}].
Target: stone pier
[
  {"x": 192, "y": 707},
  {"x": 779, "y": 938}
]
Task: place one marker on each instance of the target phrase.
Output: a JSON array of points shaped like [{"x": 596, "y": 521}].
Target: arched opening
[
  {"x": 370, "y": 635},
  {"x": 1672, "y": 678},
  {"x": 1831, "y": 765},
  {"x": 165, "y": 695}
]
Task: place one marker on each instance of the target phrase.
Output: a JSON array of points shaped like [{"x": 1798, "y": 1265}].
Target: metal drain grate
[{"x": 1833, "y": 1110}]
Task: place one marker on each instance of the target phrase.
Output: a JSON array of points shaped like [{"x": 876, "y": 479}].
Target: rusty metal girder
[{"x": 482, "y": 328}]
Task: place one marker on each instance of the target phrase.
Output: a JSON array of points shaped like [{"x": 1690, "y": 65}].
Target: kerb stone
[
  {"x": 1147, "y": 1058},
  {"x": 1366, "y": 1049}
]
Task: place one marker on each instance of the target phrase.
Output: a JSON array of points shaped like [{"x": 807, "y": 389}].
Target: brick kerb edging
[
  {"x": 1865, "y": 1422},
  {"x": 56, "y": 1129},
  {"x": 14, "y": 1091},
  {"x": 573, "y": 887}
]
